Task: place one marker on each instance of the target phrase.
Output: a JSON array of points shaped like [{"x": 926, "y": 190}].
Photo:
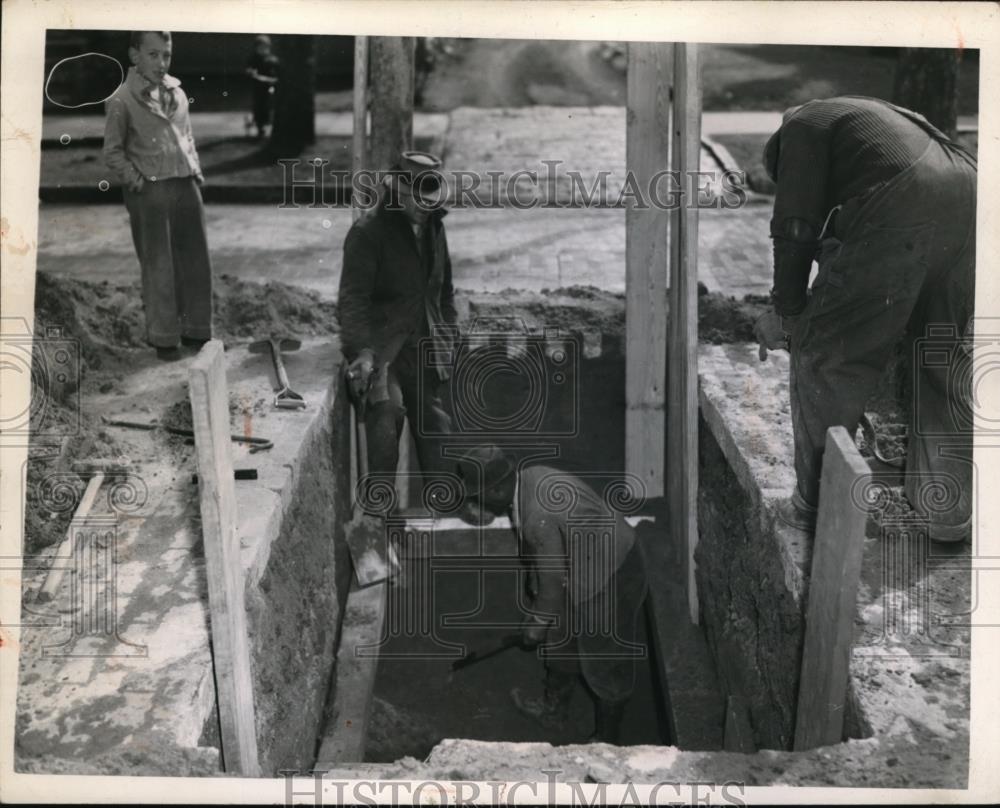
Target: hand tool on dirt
[
  {"x": 98, "y": 470},
  {"x": 471, "y": 658},
  {"x": 374, "y": 560},
  {"x": 871, "y": 438},
  {"x": 286, "y": 398},
  {"x": 256, "y": 444}
]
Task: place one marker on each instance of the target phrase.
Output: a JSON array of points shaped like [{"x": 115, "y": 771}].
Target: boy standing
[
  {"x": 148, "y": 143},
  {"x": 263, "y": 71}
]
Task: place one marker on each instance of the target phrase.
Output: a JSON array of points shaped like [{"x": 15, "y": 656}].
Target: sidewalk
[{"x": 230, "y": 124}]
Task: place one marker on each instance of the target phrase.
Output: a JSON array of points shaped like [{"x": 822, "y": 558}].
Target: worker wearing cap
[
  {"x": 886, "y": 204},
  {"x": 585, "y": 585},
  {"x": 396, "y": 290}
]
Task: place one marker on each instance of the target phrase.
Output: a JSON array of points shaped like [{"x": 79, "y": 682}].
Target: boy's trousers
[{"x": 168, "y": 229}]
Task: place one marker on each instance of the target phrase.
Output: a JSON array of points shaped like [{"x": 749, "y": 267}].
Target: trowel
[{"x": 373, "y": 557}]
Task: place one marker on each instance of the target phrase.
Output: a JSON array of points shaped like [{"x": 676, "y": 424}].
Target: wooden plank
[
  {"x": 833, "y": 588},
  {"x": 647, "y": 144},
  {"x": 682, "y": 350},
  {"x": 230, "y": 642},
  {"x": 392, "y": 74},
  {"x": 359, "y": 139},
  {"x": 357, "y": 664},
  {"x": 738, "y": 734}
]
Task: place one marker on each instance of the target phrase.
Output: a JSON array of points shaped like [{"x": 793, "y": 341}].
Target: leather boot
[
  {"x": 609, "y": 721},
  {"x": 552, "y": 709}
]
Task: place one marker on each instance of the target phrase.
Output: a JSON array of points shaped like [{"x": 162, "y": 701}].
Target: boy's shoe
[
  {"x": 193, "y": 342},
  {"x": 797, "y": 513},
  {"x": 171, "y": 354}
]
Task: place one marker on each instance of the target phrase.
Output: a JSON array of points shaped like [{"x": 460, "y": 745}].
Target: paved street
[{"x": 491, "y": 249}]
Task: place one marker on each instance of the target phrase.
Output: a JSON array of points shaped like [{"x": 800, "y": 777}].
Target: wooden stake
[
  {"x": 230, "y": 641},
  {"x": 833, "y": 589},
  {"x": 359, "y": 142},
  {"x": 392, "y": 69},
  {"x": 682, "y": 362},
  {"x": 647, "y": 145}
]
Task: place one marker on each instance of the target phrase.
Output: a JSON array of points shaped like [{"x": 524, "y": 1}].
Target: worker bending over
[
  {"x": 585, "y": 585},
  {"x": 886, "y": 204}
]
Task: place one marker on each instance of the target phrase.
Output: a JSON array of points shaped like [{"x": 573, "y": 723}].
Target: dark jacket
[
  {"x": 562, "y": 523},
  {"x": 826, "y": 153},
  {"x": 390, "y": 295}
]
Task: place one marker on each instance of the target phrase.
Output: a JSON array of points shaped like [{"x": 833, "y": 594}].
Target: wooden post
[
  {"x": 647, "y": 145},
  {"x": 682, "y": 361},
  {"x": 833, "y": 589},
  {"x": 230, "y": 642},
  {"x": 359, "y": 141},
  {"x": 392, "y": 98}
]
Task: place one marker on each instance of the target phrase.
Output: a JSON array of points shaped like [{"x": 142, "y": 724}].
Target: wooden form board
[
  {"x": 833, "y": 589},
  {"x": 359, "y": 139},
  {"x": 647, "y": 149},
  {"x": 357, "y": 664},
  {"x": 682, "y": 344},
  {"x": 392, "y": 76},
  {"x": 230, "y": 641}
]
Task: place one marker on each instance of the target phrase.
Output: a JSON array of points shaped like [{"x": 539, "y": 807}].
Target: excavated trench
[{"x": 546, "y": 378}]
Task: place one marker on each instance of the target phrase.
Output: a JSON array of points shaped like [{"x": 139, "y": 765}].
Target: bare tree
[{"x": 927, "y": 82}]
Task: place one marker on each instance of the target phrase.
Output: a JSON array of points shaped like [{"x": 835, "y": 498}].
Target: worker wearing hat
[
  {"x": 586, "y": 583},
  {"x": 396, "y": 290},
  {"x": 886, "y": 204}
]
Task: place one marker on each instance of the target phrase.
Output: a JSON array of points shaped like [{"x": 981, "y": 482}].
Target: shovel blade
[{"x": 373, "y": 559}]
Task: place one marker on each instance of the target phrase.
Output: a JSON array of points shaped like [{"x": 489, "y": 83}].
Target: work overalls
[{"x": 899, "y": 262}]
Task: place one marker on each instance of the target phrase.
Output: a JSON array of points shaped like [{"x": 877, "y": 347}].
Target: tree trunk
[
  {"x": 295, "y": 103},
  {"x": 392, "y": 60},
  {"x": 927, "y": 82}
]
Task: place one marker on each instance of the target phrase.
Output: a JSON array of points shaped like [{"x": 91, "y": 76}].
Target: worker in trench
[
  {"x": 585, "y": 583},
  {"x": 886, "y": 204},
  {"x": 395, "y": 291}
]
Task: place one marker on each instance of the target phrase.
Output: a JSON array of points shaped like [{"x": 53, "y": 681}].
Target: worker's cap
[
  {"x": 421, "y": 171},
  {"x": 483, "y": 468},
  {"x": 262, "y": 39}
]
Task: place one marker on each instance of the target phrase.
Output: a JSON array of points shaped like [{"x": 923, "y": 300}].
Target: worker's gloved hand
[
  {"x": 137, "y": 184},
  {"x": 534, "y": 629},
  {"x": 359, "y": 375},
  {"x": 773, "y": 331}
]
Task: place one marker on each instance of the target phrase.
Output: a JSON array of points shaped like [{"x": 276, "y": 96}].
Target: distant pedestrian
[
  {"x": 149, "y": 145},
  {"x": 263, "y": 72}
]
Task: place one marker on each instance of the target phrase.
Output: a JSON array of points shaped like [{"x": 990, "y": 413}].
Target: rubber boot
[
  {"x": 552, "y": 709},
  {"x": 609, "y": 721},
  {"x": 797, "y": 513}
]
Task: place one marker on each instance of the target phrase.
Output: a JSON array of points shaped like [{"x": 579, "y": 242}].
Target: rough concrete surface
[
  {"x": 142, "y": 701},
  {"x": 909, "y": 668}
]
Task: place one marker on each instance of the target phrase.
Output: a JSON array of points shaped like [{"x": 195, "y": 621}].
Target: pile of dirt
[
  {"x": 395, "y": 732},
  {"x": 721, "y": 318},
  {"x": 106, "y": 321}
]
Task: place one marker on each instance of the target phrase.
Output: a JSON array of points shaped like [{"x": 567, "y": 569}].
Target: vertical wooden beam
[
  {"x": 230, "y": 642},
  {"x": 647, "y": 145},
  {"x": 392, "y": 66},
  {"x": 359, "y": 140},
  {"x": 682, "y": 356},
  {"x": 833, "y": 590}
]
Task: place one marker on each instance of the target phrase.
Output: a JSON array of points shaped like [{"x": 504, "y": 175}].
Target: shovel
[
  {"x": 286, "y": 398},
  {"x": 374, "y": 560}
]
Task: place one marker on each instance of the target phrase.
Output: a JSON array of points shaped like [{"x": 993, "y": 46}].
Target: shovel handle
[{"x": 279, "y": 364}]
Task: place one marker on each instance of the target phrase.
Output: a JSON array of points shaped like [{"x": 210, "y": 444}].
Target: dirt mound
[
  {"x": 106, "y": 321},
  {"x": 395, "y": 732},
  {"x": 721, "y": 319}
]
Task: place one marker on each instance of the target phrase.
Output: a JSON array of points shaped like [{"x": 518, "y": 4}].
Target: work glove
[
  {"x": 137, "y": 184},
  {"x": 360, "y": 374},
  {"x": 534, "y": 629},
  {"x": 773, "y": 332}
]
